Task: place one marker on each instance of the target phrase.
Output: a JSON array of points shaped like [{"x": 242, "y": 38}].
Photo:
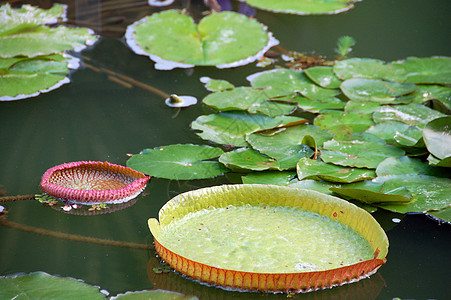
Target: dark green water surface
[{"x": 94, "y": 118}]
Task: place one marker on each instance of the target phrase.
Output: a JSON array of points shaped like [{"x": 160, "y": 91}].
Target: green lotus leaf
[
  {"x": 28, "y": 77},
  {"x": 368, "y": 68},
  {"x": 40, "y": 285},
  {"x": 216, "y": 85},
  {"x": 250, "y": 99},
  {"x": 248, "y": 159},
  {"x": 270, "y": 177},
  {"x": 343, "y": 123},
  {"x": 172, "y": 39},
  {"x": 230, "y": 128},
  {"x": 153, "y": 294},
  {"x": 387, "y": 130},
  {"x": 316, "y": 169},
  {"x": 411, "y": 114},
  {"x": 429, "y": 70},
  {"x": 182, "y": 162},
  {"x": 374, "y": 193},
  {"x": 316, "y": 106},
  {"x": 446, "y": 162},
  {"x": 358, "y": 154},
  {"x": 443, "y": 214},
  {"x": 410, "y": 138},
  {"x": 324, "y": 77},
  {"x": 362, "y": 107},
  {"x": 375, "y": 90},
  {"x": 290, "y": 81},
  {"x": 303, "y": 7},
  {"x": 428, "y": 192},
  {"x": 405, "y": 165},
  {"x": 286, "y": 146},
  {"x": 437, "y": 137}
]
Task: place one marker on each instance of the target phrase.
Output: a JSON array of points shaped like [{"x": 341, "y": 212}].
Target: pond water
[{"x": 94, "y": 118}]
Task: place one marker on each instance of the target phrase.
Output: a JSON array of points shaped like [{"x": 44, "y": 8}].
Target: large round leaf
[
  {"x": 286, "y": 146},
  {"x": 304, "y": 7},
  {"x": 343, "y": 123},
  {"x": 40, "y": 285},
  {"x": 316, "y": 169},
  {"x": 368, "y": 68},
  {"x": 315, "y": 106},
  {"x": 427, "y": 69},
  {"x": 410, "y": 114},
  {"x": 375, "y": 90},
  {"x": 437, "y": 137},
  {"x": 172, "y": 39},
  {"x": 25, "y": 77},
  {"x": 230, "y": 128},
  {"x": 324, "y": 77},
  {"x": 248, "y": 159},
  {"x": 182, "y": 162},
  {"x": 357, "y": 154}
]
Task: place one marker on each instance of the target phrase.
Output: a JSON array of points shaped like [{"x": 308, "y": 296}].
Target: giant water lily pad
[
  {"x": 357, "y": 153},
  {"x": 182, "y": 162},
  {"x": 172, "y": 39},
  {"x": 304, "y": 7},
  {"x": 253, "y": 231},
  {"x": 40, "y": 285},
  {"x": 230, "y": 128},
  {"x": 318, "y": 170},
  {"x": 41, "y": 74},
  {"x": 23, "y": 32},
  {"x": 375, "y": 90},
  {"x": 290, "y": 81},
  {"x": 368, "y": 68},
  {"x": 427, "y": 69}
]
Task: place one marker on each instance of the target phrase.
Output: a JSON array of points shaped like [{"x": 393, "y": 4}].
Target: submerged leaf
[
  {"x": 182, "y": 162},
  {"x": 172, "y": 39}
]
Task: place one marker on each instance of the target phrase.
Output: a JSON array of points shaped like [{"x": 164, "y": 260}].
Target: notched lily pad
[
  {"x": 343, "y": 123},
  {"x": 324, "y": 77},
  {"x": 316, "y": 169},
  {"x": 216, "y": 85},
  {"x": 375, "y": 90},
  {"x": 248, "y": 159},
  {"x": 368, "y": 68},
  {"x": 304, "y": 7},
  {"x": 225, "y": 40},
  {"x": 430, "y": 70},
  {"x": 182, "y": 162}
]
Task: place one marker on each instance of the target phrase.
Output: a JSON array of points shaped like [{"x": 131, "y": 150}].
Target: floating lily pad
[
  {"x": 425, "y": 93},
  {"x": 408, "y": 166},
  {"x": 286, "y": 146},
  {"x": 216, "y": 85},
  {"x": 28, "y": 77},
  {"x": 270, "y": 177},
  {"x": 430, "y": 70},
  {"x": 182, "y": 162},
  {"x": 375, "y": 90},
  {"x": 315, "y": 185},
  {"x": 388, "y": 130},
  {"x": 40, "y": 285},
  {"x": 23, "y": 32},
  {"x": 230, "y": 128},
  {"x": 315, "y": 106},
  {"x": 446, "y": 162},
  {"x": 172, "y": 39},
  {"x": 410, "y": 138},
  {"x": 358, "y": 154},
  {"x": 316, "y": 169},
  {"x": 437, "y": 137},
  {"x": 238, "y": 222},
  {"x": 368, "y": 68},
  {"x": 324, "y": 77},
  {"x": 290, "y": 81},
  {"x": 443, "y": 214},
  {"x": 410, "y": 114},
  {"x": 304, "y": 7},
  {"x": 248, "y": 159},
  {"x": 362, "y": 107},
  {"x": 154, "y": 294},
  {"x": 250, "y": 99},
  {"x": 343, "y": 123}
]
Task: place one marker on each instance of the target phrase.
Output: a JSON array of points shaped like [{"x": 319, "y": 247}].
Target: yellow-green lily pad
[{"x": 304, "y": 7}]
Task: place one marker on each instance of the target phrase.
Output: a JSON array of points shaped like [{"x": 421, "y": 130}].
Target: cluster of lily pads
[
  {"x": 374, "y": 131},
  {"x": 33, "y": 56}
]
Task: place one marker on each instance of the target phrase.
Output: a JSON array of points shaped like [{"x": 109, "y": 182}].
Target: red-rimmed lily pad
[
  {"x": 172, "y": 39},
  {"x": 257, "y": 252},
  {"x": 93, "y": 182}
]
